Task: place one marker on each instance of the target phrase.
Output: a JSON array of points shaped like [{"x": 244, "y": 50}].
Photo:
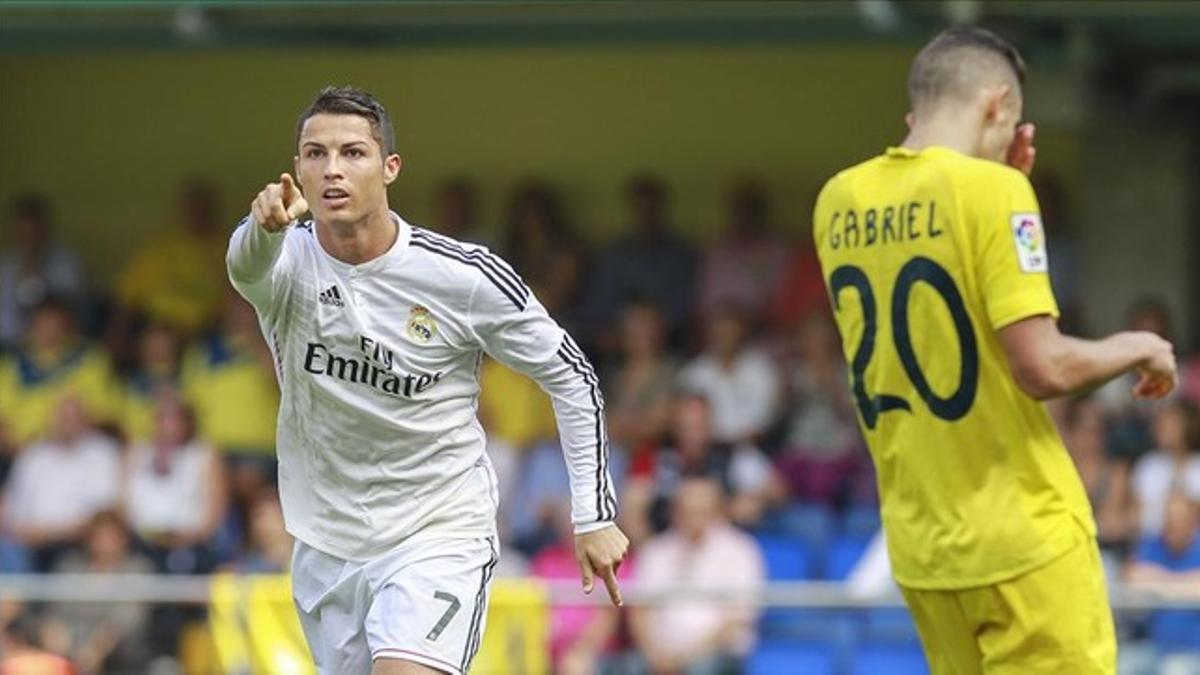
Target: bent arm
[{"x": 1047, "y": 364}]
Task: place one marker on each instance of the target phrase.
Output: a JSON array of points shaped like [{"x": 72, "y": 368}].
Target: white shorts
[{"x": 425, "y": 602}]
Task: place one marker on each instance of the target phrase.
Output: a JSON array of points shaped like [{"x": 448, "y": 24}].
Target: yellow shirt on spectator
[
  {"x": 514, "y": 407},
  {"x": 178, "y": 280},
  {"x": 137, "y": 406},
  {"x": 33, "y": 382},
  {"x": 927, "y": 255},
  {"x": 236, "y": 398}
]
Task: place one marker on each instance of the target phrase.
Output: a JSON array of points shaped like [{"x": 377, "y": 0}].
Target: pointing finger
[{"x": 610, "y": 581}]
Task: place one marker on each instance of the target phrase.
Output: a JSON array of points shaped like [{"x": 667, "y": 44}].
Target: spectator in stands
[
  {"x": 456, "y": 206},
  {"x": 229, "y": 379},
  {"x": 739, "y": 380},
  {"x": 20, "y": 653},
  {"x": 748, "y": 262},
  {"x": 36, "y": 268},
  {"x": 823, "y": 458},
  {"x": 54, "y": 361},
  {"x": 157, "y": 369},
  {"x": 175, "y": 491},
  {"x": 582, "y": 636},
  {"x": 1130, "y": 432},
  {"x": 701, "y": 552},
  {"x": 1107, "y": 481},
  {"x": 537, "y": 492},
  {"x": 639, "y": 387},
  {"x": 58, "y": 484},
  {"x": 178, "y": 278},
  {"x": 268, "y": 547},
  {"x": 800, "y": 293},
  {"x": 1174, "y": 557},
  {"x": 102, "y": 636},
  {"x": 648, "y": 263},
  {"x": 743, "y": 473},
  {"x": 1173, "y": 465},
  {"x": 545, "y": 251}
]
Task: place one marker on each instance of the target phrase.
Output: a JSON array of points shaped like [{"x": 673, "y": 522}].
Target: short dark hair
[
  {"x": 938, "y": 68},
  {"x": 352, "y": 101}
]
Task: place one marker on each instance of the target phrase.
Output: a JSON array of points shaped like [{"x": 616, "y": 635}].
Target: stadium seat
[
  {"x": 787, "y": 558},
  {"x": 860, "y": 520},
  {"x": 1175, "y": 630},
  {"x": 843, "y": 554},
  {"x": 792, "y": 658},
  {"x": 890, "y": 626},
  {"x": 814, "y": 523},
  {"x": 888, "y": 660}
]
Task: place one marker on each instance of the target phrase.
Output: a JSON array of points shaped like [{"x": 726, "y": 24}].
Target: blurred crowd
[{"x": 137, "y": 428}]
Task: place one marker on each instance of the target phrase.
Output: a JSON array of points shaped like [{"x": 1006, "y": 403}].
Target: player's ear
[
  {"x": 391, "y": 168},
  {"x": 909, "y": 119},
  {"x": 296, "y": 167},
  {"x": 996, "y": 98}
]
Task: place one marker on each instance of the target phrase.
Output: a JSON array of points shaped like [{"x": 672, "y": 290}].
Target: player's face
[
  {"x": 342, "y": 169},
  {"x": 1001, "y": 117}
]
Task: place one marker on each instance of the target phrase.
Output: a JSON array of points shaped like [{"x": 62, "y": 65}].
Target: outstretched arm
[{"x": 257, "y": 242}]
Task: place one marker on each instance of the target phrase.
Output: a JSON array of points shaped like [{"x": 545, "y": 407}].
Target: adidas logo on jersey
[{"x": 331, "y": 296}]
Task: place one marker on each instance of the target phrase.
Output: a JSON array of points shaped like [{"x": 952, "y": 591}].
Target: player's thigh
[
  {"x": 432, "y": 610},
  {"x": 947, "y": 632},
  {"x": 331, "y": 612},
  {"x": 387, "y": 666},
  {"x": 1055, "y": 619}
]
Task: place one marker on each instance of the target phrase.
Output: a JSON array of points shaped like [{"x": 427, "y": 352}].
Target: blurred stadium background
[{"x": 650, "y": 169}]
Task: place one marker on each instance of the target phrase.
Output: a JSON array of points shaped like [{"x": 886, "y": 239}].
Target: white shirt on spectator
[
  {"x": 171, "y": 501},
  {"x": 726, "y": 560},
  {"x": 743, "y": 397},
  {"x": 56, "y": 485},
  {"x": 1154, "y": 477}
]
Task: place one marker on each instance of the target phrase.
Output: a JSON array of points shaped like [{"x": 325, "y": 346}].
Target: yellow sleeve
[{"x": 1011, "y": 259}]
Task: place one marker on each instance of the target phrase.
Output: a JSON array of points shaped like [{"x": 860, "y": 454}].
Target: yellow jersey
[
  {"x": 927, "y": 255},
  {"x": 34, "y": 382}
]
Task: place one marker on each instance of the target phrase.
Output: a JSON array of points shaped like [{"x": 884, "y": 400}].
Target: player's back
[{"x": 927, "y": 255}]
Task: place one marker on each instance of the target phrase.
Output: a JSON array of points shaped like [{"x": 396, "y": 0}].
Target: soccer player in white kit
[{"x": 378, "y": 328}]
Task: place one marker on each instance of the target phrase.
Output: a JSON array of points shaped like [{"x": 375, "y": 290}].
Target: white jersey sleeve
[
  {"x": 257, "y": 266},
  {"x": 514, "y": 328}
]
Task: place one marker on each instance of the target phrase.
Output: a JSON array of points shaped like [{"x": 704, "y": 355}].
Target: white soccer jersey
[{"x": 378, "y": 365}]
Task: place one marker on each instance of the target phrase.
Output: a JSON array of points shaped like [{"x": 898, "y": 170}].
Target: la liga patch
[{"x": 1031, "y": 242}]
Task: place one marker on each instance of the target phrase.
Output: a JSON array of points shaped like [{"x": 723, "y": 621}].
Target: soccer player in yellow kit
[{"x": 935, "y": 260}]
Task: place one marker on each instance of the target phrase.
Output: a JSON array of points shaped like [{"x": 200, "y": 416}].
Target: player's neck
[
  {"x": 955, "y": 132},
  {"x": 360, "y": 242}
]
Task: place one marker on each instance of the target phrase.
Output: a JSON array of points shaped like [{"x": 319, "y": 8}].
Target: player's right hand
[
  {"x": 1022, "y": 154},
  {"x": 1157, "y": 368},
  {"x": 279, "y": 204}
]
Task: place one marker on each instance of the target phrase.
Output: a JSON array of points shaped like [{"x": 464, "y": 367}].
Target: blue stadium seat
[
  {"x": 787, "y": 558},
  {"x": 814, "y": 523},
  {"x": 890, "y": 626},
  {"x": 792, "y": 658},
  {"x": 1176, "y": 630},
  {"x": 836, "y": 628},
  {"x": 860, "y": 520},
  {"x": 888, "y": 660},
  {"x": 843, "y": 554}
]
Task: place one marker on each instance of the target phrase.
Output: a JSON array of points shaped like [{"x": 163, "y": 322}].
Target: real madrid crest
[{"x": 421, "y": 326}]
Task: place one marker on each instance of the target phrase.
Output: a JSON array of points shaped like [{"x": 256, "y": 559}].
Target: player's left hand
[
  {"x": 600, "y": 554},
  {"x": 1021, "y": 154}
]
